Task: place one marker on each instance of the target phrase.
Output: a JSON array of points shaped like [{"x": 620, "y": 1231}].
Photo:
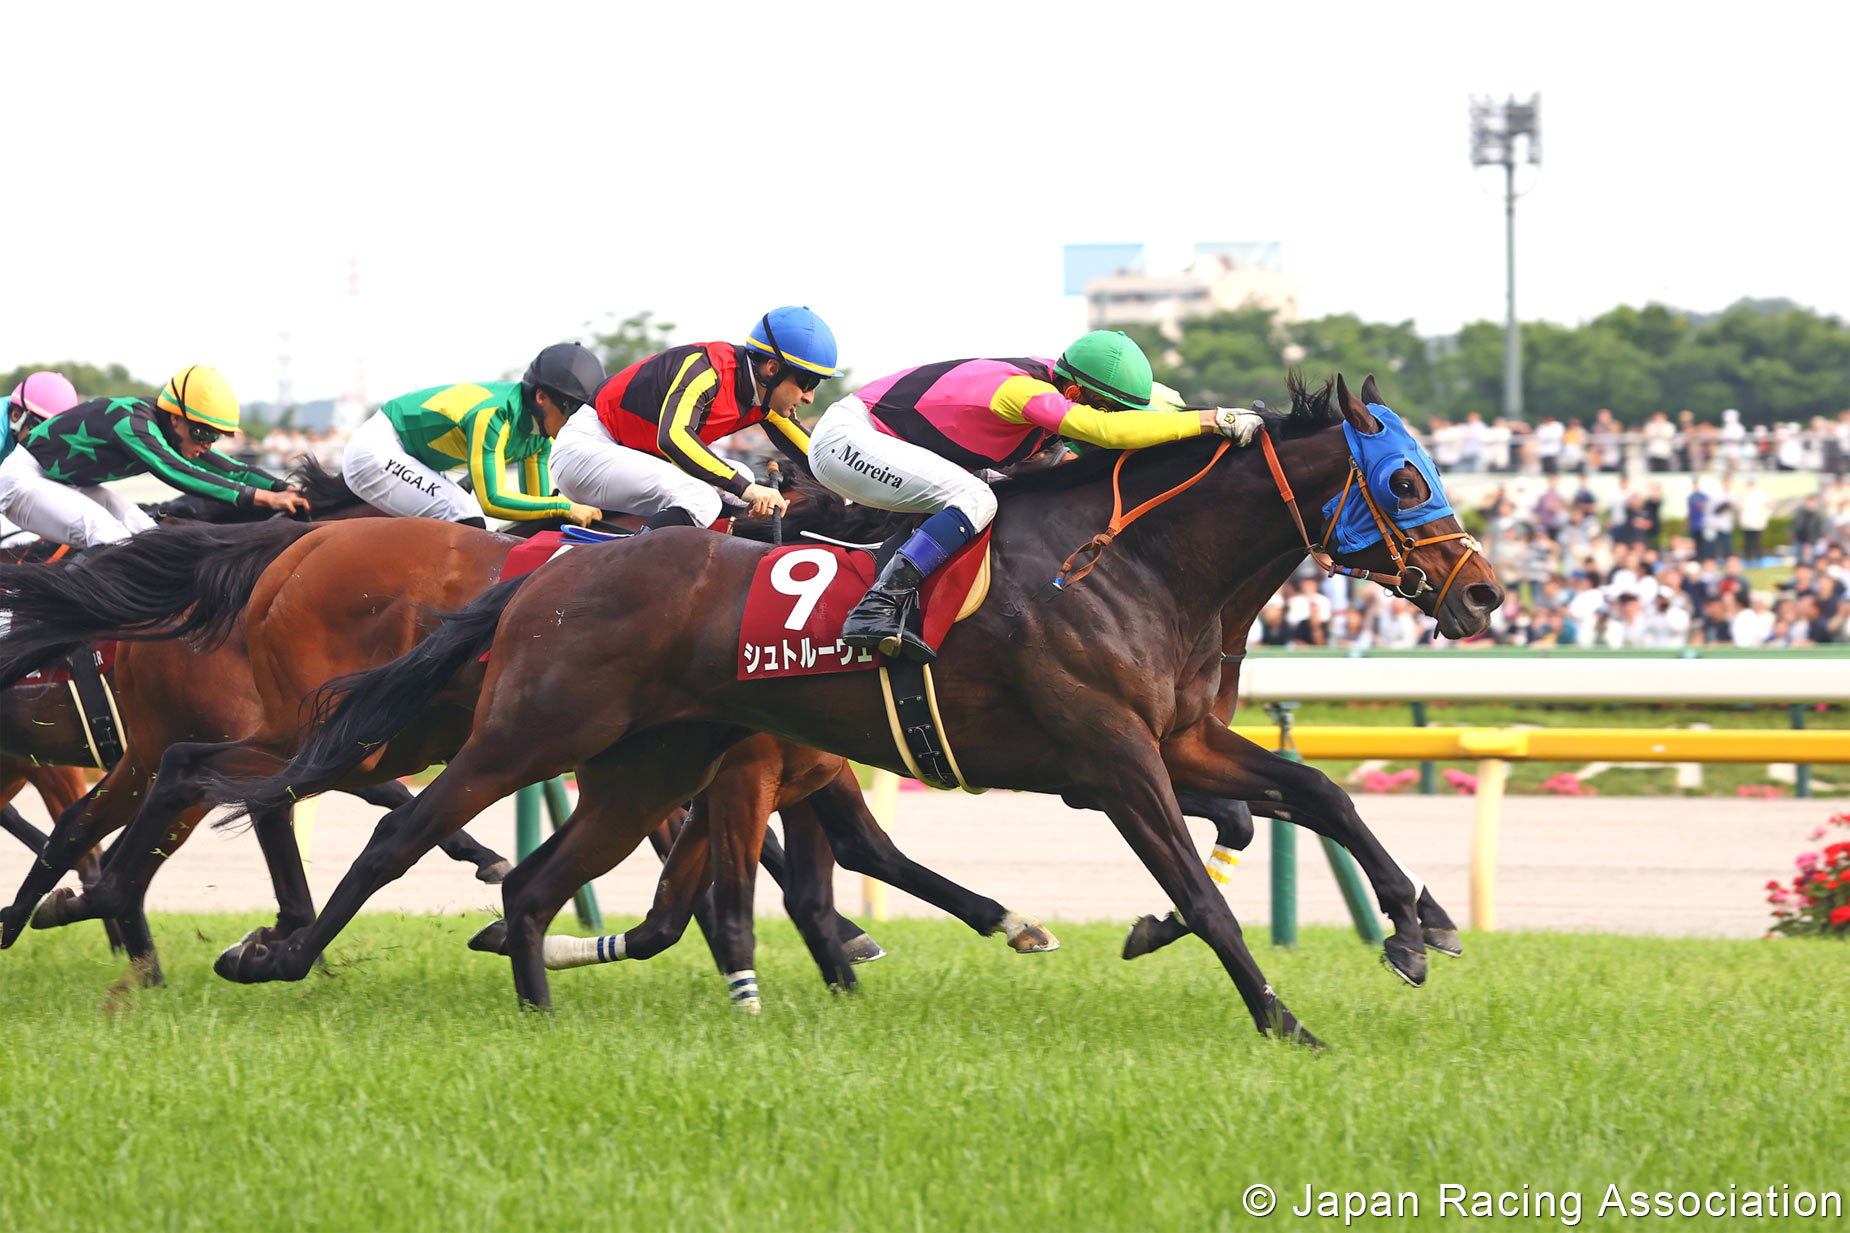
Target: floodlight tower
[{"x": 1496, "y": 129}]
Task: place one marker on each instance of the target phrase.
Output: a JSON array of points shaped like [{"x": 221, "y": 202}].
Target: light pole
[{"x": 1495, "y": 130}]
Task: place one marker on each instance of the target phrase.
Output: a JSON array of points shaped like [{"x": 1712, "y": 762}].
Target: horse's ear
[
  {"x": 1372, "y": 392},
  {"x": 1353, "y": 409}
]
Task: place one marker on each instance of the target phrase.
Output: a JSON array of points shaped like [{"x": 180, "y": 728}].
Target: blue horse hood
[{"x": 1379, "y": 455}]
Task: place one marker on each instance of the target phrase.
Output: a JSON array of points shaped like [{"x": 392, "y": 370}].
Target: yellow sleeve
[
  {"x": 1129, "y": 430},
  {"x": 488, "y": 469}
]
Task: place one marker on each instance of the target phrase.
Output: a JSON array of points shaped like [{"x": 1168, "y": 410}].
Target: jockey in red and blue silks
[{"x": 912, "y": 441}]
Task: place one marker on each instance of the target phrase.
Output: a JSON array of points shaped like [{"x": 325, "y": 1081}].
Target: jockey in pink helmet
[{"x": 39, "y": 397}]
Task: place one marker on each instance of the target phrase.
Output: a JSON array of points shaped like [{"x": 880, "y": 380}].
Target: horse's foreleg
[
  {"x": 855, "y": 940},
  {"x": 13, "y": 824},
  {"x": 1216, "y": 762},
  {"x": 1233, "y": 831},
  {"x": 863, "y": 847},
  {"x": 103, "y": 809},
  {"x": 1136, "y": 796},
  {"x": 739, "y": 804}
]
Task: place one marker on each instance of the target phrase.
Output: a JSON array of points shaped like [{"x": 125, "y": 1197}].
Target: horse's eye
[{"x": 1402, "y": 486}]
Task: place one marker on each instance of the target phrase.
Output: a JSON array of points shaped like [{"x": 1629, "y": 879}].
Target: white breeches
[
  {"x": 80, "y": 517},
  {"x": 593, "y": 468},
  {"x": 852, "y": 457},
  {"x": 383, "y": 475}
]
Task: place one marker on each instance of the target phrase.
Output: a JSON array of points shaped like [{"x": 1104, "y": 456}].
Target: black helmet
[{"x": 568, "y": 371}]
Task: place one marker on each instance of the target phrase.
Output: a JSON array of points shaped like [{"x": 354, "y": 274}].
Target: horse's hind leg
[
  {"x": 13, "y": 824},
  {"x": 490, "y": 866},
  {"x": 1233, "y": 831},
  {"x": 1212, "y": 760},
  {"x": 624, "y": 794},
  {"x": 107, "y": 806},
  {"x": 862, "y": 847},
  {"x": 809, "y": 893}
]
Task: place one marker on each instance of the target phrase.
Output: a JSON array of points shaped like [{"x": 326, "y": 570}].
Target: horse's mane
[{"x": 324, "y": 489}]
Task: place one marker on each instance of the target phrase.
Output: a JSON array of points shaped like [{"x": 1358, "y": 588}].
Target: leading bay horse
[{"x": 1078, "y": 690}]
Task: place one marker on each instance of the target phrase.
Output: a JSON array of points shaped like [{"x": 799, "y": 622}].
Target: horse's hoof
[
  {"x": 1139, "y": 941},
  {"x": 495, "y": 873},
  {"x": 1405, "y": 962},
  {"x": 1028, "y": 936},
  {"x": 491, "y": 938},
  {"x": 54, "y": 909},
  {"x": 1445, "y": 941},
  {"x": 245, "y": 963},
  {"x": 748, "y": 1006},
  {"x": 862, "y": 948}
]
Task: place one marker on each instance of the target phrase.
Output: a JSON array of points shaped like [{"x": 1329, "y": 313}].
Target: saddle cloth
[
  {"x": 60, "y": 672},
  {"x": 801, "y": 595}
]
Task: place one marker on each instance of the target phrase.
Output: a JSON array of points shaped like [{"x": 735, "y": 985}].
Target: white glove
[{"x": 1238, "y": 423}]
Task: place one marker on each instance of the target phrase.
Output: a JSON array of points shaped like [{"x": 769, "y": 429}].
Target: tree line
[{"x": 1770, "y": 359}]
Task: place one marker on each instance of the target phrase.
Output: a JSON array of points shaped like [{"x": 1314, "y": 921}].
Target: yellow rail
[{"x": 1561, "y": 744}]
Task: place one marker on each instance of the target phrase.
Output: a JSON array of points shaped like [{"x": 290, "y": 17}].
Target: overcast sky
[{"x": 183, "y": 183}]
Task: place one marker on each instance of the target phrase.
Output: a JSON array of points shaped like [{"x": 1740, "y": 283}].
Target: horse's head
[{"x": 1395, "y": 518}]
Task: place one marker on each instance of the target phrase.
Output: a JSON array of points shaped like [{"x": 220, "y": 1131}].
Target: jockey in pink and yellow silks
[{"x": 913, "y": 442}]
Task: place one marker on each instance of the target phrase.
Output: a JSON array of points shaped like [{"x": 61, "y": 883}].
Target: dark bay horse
[
  {"x": 338, "y": 599},
  {"x": 1078, "y": 691}
]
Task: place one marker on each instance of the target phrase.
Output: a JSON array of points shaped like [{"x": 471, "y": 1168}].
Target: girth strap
[
  {"x": 96, "y": 708},
  {"x": 918, "y": 729}
]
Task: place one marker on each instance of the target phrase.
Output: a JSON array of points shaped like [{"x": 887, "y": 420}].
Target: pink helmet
[{"x": 43, "y": 394}]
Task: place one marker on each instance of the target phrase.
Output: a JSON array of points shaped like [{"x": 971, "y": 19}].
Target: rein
[
  {"x": 1411, "y": 580},
  {"x": 1119, "y": 519}
]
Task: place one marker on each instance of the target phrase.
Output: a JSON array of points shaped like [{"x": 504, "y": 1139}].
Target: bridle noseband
[{"x": 1410, "y": 581}]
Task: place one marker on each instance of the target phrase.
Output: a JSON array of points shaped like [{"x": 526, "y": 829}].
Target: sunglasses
[{"x": 201, "y": 434}]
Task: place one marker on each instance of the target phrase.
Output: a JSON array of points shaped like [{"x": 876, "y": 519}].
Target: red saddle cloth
[
  {"x": 530, "y": 554},
  {"x": 58, "y": 673},
  {"x": 801, "y": 595}
]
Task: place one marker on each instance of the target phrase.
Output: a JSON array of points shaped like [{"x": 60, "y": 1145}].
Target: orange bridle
[{"x": 1411, "y": 581}]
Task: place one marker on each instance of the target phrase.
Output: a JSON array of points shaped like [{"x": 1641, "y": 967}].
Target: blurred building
[{"x": 1221, "y": 277}]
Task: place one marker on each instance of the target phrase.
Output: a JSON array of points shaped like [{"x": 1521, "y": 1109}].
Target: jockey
[
  {"x": 911, "y": 442},
  {"x": 52, "y": 484},
  {"x": 397, "y": 458},
  {"x": 642, "y": 449},
  {"x": 39, "y": 397}
]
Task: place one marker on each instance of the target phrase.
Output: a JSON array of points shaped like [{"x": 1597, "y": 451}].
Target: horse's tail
[
  {"x": 168, "y": 582},
  {"x": 353, "y": 715},
  {"x": 326, "y": 490}
]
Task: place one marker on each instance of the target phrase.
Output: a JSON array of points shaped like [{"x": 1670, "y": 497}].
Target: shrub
[{"x": 1816, "y": 903}]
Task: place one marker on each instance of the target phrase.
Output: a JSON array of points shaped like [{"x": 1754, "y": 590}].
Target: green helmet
[{"x": 1107, "y": 362}]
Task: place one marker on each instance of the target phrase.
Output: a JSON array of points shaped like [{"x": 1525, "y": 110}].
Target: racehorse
[
  {"x": 167, "y": 692},
  {"x": 1077, "y": 689},
  {"x": 335, "y": 601}
]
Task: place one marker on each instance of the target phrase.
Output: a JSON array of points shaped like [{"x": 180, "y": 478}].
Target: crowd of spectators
[{"x": 1661, "y": 445}]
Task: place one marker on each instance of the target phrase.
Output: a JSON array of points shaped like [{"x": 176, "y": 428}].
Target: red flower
[{"x": 1841, "y": 917}]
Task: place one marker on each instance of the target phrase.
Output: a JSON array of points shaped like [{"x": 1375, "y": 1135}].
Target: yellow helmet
[{"x": 201, "y": 395}]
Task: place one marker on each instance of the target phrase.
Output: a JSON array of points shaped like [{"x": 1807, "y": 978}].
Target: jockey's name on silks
[
  {"x": 483, "y": 426},
  {"x": 801, "y": 595}
]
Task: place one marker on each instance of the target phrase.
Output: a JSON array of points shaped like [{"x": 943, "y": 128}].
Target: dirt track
[{"x": 1633, "y": 865}]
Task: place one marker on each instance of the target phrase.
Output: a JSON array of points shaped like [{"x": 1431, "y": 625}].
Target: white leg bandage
[
  {"x": 560, "y": 952},
  {"x": 1221, "y": 863},
  {"x": 742, "y": 988}
]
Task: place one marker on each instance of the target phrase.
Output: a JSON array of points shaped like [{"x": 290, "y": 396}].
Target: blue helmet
[{"x": 796, "y": 336}]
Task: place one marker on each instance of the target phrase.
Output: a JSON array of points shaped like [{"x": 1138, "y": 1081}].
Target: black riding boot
[{"x": 888, "y": 615}]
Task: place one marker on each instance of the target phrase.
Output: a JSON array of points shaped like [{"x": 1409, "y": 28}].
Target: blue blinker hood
[{"x": 1379, "y": 456}]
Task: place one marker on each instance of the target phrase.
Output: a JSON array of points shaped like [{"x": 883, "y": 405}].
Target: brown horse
[
  {"x": 168, "y": 692},
  {"x": 1078, "y": 691}
]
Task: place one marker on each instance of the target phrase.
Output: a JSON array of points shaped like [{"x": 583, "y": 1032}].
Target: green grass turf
[{"x": 965, "y": 1088}]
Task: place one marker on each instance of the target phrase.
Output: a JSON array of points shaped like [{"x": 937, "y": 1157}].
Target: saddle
[{"x": 85, "y": 671}]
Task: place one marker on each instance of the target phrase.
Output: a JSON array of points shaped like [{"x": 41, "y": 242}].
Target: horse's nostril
[{"x": 1484, "y": 595}]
